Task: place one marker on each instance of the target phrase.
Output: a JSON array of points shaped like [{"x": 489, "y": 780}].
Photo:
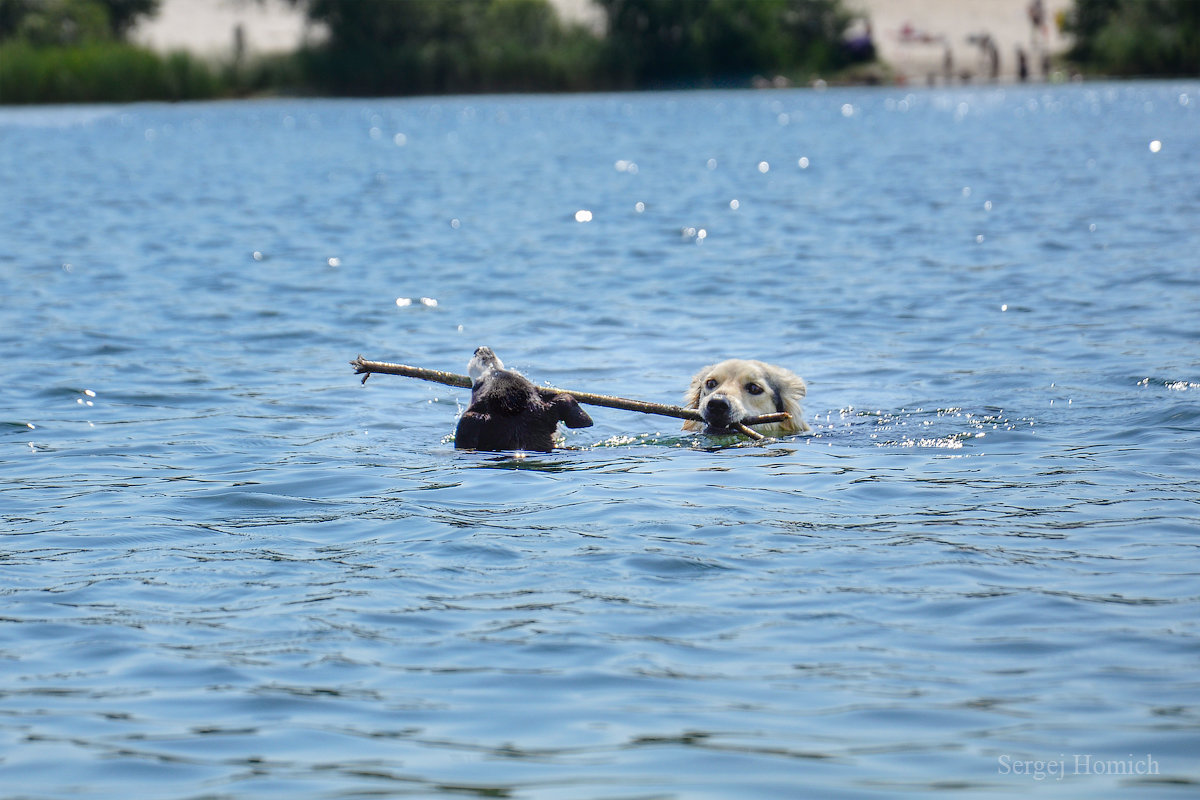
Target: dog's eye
[
  {"x": 754, "y": 388},
  {"x": 711, "y": 383}
]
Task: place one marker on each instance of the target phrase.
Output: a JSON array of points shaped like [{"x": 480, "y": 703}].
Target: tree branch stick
[
  {"x": 746, "y": 430},
  {"x": 367, "y": 368}
]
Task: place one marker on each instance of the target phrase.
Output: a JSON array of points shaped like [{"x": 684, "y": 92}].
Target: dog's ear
[
  {"x": 789, "y": 390},
  {"x": 692, "y": 398},
  {"x": 567, "y": 409}
]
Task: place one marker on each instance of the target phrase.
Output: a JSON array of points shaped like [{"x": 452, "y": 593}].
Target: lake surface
[{"x": 229, "y": 570}]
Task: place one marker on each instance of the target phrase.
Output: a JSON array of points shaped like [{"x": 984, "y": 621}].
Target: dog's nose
[
  {"x": 717, "y": 412},
  {"x": 718, "y": 404}
]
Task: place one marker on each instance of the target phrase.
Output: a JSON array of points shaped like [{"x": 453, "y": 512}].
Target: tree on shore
[
  {"x": 68, "y": 22},
  {"x": 407, "y": 46},
  {"x": 74, "y": 51},
  {"x": 428, "y": 46},
  {"x": 713, "y": 41},
  {"x": 1136, "y": 37}
]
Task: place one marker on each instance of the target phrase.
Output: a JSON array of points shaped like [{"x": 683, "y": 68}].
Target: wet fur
[
  {"x": 507, "y": 412},
  {"x": 723, "y": 394}
]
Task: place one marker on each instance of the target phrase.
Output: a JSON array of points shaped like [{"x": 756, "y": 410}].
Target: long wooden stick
[{"x": 366, "y": 368}]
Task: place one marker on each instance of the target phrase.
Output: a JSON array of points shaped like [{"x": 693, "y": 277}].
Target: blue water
[{"x": 229, "y": 570}]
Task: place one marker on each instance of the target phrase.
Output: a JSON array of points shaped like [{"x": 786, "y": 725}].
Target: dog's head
[
  {"x": 733, "y": 390},
  {"x": 484, "y": 361}
]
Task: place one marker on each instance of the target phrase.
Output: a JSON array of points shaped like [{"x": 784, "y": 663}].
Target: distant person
[
  {"x": 1038, "y": 34},
  {"x": 860, "y": 46},
  {"x": 1022, "y": 65},
  {"x": 239, "y": 44},
  {"x": 1037, "y": 14},
  {"x": 989, "y": 55}
]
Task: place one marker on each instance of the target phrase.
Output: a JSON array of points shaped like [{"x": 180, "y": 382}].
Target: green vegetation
[
  {"x": 71, "y": 51},
  {"x": 69, "y": 22},
  {"x": 100, "y": 72},
  {"x": 689, "y": 42},
  {"x": 422, "y": 46},
  {"x": 74, "y": 50},
  {"x": 434, "y": 46},
  {"x": 1136, "y": 37}
]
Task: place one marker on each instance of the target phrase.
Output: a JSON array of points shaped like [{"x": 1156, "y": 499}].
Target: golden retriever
[{"x": 733, "y": 390}]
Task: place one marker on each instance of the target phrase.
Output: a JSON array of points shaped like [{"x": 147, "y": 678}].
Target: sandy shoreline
[
  {"x": 913, "y": 36},
  {"x": 207, "y": 27}
]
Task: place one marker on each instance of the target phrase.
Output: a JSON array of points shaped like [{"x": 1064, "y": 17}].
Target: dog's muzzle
[
  {"x": 718, "y": 413},
  {"x": 483, "y": 361}
]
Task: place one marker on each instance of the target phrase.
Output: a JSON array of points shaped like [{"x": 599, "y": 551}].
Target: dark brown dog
[{"x": 507, "y": 412}]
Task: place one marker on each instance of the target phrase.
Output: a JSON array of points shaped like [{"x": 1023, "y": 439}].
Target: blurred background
[{"x": 126, "y": 50}]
